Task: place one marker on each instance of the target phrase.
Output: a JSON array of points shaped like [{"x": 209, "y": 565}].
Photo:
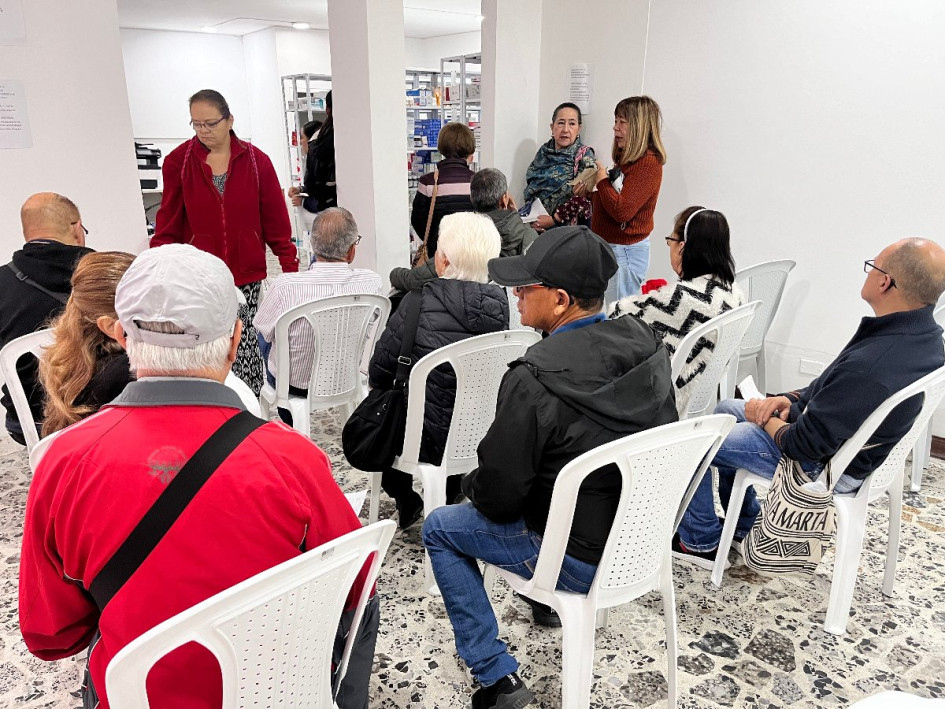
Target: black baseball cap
[{"x": 572, "y": 258}]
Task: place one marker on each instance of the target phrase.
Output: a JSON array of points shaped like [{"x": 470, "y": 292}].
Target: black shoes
[
  {"x": 542, "y": 614},
  {"x": 508, "y": 693},
  {"x": 409, "y": 510},
  {"x": 702, "y": 559}
]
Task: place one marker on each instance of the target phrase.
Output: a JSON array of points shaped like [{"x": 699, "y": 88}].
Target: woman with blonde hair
[
  {"x": 625, "y": 197},
  {"x": 85, "y": 367},
  {"x": 460, "y": 303}
]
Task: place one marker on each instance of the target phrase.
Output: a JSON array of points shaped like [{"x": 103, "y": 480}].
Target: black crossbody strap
[
  {"x": 411, "y": 320},
  {"x": 169, "y": 506},
  {"x": 61, "y": 297}
]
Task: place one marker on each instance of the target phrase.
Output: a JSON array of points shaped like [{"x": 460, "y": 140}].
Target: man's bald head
[
  {"x": 47, "y": 215},
  {"x": 918, "y": 265}
]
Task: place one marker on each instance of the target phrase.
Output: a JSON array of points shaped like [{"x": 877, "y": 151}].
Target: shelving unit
[
  {"x": 462, "y": 93},
  {"x": 303, "y": 100},
  {"x": 422, "y": 94}
]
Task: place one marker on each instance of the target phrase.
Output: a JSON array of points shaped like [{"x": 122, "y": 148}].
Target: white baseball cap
[{"x": 179, "y": 284}]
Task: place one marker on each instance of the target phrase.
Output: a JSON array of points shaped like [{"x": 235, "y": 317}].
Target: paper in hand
[
  {"x": 587, "y": 177},
  {"x": 749, "y": 389},
  {"x": 537, "y": 210}
]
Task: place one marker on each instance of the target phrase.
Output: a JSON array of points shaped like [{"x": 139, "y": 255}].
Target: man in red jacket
[{"x": 272, "y": 498}]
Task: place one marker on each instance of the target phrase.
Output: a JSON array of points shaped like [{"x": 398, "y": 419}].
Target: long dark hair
[
  {"x": 328, "y": 127},
  {"x": 706, "y": 249}
]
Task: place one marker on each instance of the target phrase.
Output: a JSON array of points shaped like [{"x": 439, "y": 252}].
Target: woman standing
[
  {"x": 556, "y": 163},
  {"x": 625, "y": 197},
  {"x": 322, "y": 190},
  {"x": 222, "y": 195}
]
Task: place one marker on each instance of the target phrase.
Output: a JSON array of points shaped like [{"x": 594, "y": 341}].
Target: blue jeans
[
  {"x": 746, "y": 446},
  {"x": 457, "y": 535},
  {"x": 633, "y": 260}
]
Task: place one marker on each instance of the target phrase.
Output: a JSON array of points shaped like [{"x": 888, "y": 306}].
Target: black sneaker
[
  {"x": 542, "y": 614},
  {"x": 508, "y": 693},
  {"x": 409, "y": 510},
  {"x": 702, "y": 559}
]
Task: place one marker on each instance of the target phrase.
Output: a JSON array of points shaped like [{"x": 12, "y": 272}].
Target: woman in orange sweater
[{"x": 625, "y": 197}]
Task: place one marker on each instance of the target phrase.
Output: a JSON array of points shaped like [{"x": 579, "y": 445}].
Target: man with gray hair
[
  {"x": 105, "y": 558},
  {"x": 334, "y": 242},
  {"x": 489, "y": 193},
  {"x": 35, "y": 285}
]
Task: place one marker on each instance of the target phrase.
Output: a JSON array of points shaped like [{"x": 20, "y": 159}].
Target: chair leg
[
  {"x": 851, "y": 527},
  {"x": 375, "y": 497},
  {"x": 895, "y": 527},
  {"x": 434, "y": 495},
  {"x": 761, "y": 369},
  {"x": 603, "y": 618},
  {"x": 669, "y": 616},
  {"x": 728, "y": 529},
  {"x": 921, "y": 452},
  {"x": 577, "y": 654}
]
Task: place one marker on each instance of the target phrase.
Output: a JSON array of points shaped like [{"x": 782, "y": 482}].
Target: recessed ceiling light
[
  {"x": 301, "y": 25},
  {"x": 209, "y": 28}
]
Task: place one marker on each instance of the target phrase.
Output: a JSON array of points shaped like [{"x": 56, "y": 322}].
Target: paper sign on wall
[
  {"x": 579, "y": 86},
  {"x": 12, "y": 26},
  {"x": 14, "y": 119}
]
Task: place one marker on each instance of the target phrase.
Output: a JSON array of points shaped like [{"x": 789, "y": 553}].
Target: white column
[
  {"x": 511, "y": 123},
  {"x": 266, "y": 119},
  {"x": 367, "y": 68},
  {"x": 70, "y": 66}
]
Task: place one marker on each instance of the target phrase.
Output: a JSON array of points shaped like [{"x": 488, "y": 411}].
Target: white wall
[
  {"x": 816, "y": 128},
  {"x": 303, "y": 52},
  {"x": 164, "y": 69},
  {"x": 265, "y": 99},
  {"x": 426, "y": 53},
  {"x": 82, "y": 140}
]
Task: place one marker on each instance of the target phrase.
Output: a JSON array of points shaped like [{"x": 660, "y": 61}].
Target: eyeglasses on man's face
[
  {"x": 206, "y": 125},
  {"x": 358, "y": 240},
  {"x": 871, "y": 264},
  {"x": 81, "y": 225},
  {"x": 520, "y": 290}
]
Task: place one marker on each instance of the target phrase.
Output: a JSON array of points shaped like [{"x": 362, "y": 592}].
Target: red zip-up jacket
[
  {"x": 272, "y": 497},
  {"x": 235, "y": 227}
]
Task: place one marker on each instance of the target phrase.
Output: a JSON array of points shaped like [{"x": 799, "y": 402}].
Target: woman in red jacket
[
  {"x": 625, "y": 197},
  {"x": 222, "y": 195}
]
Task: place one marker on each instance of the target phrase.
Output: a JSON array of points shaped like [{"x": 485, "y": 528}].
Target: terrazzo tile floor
[{"x": 756, "y": 642}]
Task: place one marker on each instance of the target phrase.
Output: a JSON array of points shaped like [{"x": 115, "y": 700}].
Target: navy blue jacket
[{"x": 885, "y": 355}]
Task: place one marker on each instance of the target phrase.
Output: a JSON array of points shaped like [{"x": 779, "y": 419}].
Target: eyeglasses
[
  {"x": 81, "y": 225},
  {"x": 520, "y": 290},
  {"x": 678, "y": 241},
  {"x": 207, "y": 125},
  {"x": 867, "y": 265},
  {"x": 358, "y": 240}
]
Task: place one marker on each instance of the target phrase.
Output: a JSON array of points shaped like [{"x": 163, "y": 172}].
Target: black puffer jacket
[{"x": 450, "y": 311}]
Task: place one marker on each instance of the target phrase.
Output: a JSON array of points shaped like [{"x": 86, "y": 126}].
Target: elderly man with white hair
[{"x": 250, "y": 494}]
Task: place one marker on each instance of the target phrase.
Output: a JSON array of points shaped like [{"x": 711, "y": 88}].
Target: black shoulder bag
[
  {"x": 61, "y": 297},
  {"x": 374, "y": 435}
]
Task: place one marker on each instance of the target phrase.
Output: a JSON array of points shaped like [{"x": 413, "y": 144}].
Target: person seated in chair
[
  {"x": 458, "y": 304},
  {"x": 590, "y": 382},
  {"x": 272, "y": 498},
  {"x": 35, "y": 285},
  {"x": 898, "y": 345},
  {"x": 334, "y": 243}
]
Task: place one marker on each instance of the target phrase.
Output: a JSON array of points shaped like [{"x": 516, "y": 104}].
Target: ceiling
[{"x": 422, "y": 18}]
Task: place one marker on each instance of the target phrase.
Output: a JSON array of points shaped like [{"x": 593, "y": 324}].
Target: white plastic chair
[
  {"x": 32, "y": 343},
  {"x": 272, "y": 634},
  {"x": 726, "y": 332},
  {"x": 923, "y": 446},
  {"x": 340, "y": 324},
  {"x": 852, "y": 509},
  {"x": 479, "y": 363},
  {"x": 660, "y": 469},
  {"x": 763, "y": 282}
]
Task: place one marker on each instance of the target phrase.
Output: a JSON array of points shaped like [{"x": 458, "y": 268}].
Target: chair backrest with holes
[
  {"x": 932, "y": 388},
  {"x": 479, "y": 363},
  {"x": 725, "y": 332},
  {"x": 763, "y": 282},
  {"x": 32, "y": 343},
  {"x": 340, "y": 324},
  {"x": 272, "y": 634},
  {"x": 659, "y": 468}
]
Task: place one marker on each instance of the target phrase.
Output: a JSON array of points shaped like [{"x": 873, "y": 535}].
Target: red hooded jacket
[{"x": 235, "y": 226}]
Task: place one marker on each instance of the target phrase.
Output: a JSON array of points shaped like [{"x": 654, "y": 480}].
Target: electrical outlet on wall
[{"x": 810, "y": 366}]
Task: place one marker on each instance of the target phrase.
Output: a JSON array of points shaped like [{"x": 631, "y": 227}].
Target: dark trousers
[{"x": 399, "y": 485}]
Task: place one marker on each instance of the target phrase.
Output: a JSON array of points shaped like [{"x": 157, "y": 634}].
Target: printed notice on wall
[
  {"x": 12, "y": 26},
  {"x": 14, "y": 120},
  {"x": 579, "y": 86}
]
